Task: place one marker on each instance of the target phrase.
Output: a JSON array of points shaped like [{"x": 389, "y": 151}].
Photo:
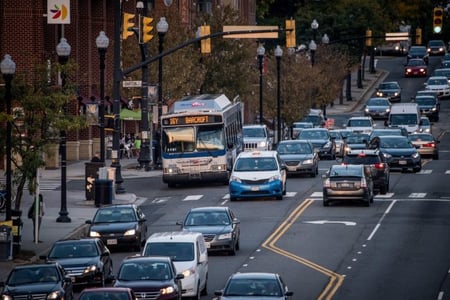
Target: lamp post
[
  {"x": 325, "y": 39},
  {"x": 278, "y": 54},
  {"x": 260, "y": 52},
  {"x": 63, "y": 50},
  {"x": 102, "y": 42},
  {"x": 312, "y": 48},
  {"x": 162, "y": 28},
  {"x": 314, "y": 27},
  {"x": 8, "y": 68}
]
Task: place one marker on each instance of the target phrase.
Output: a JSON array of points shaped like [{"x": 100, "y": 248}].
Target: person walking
[{"x": 36, "y": 216}]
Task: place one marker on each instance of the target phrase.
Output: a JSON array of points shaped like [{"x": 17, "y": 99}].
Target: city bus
[{"x": 200, "y": 138}]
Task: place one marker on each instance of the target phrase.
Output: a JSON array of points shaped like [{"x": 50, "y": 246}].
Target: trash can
[
  {"x": 6, "y": 243},
  {"x": 103, "y": 192},
  {"x": 17, "y": 225},
  {"x": 90, "y": 175}
]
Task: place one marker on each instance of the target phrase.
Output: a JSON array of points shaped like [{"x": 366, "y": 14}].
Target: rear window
[
  {"x": 361, "y": 160},
  {"x": 177, "y": 251}
]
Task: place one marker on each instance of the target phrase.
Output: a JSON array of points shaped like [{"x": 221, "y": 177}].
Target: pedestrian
[
  {"x": 96, "y": 157},
  {"x": 32, "y": 213},
  {"x": 137, "y": 146}
]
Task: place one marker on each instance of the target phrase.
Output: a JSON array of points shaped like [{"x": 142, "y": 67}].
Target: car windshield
[
  {"x": 417, "y": 51},
  {"x": 359, "y": 123},
  {"x": 144, "y": 270},
  {"x": 339, "y": 171},
  {"x": 357, "y": 139},
  {"x": 420, "y": 137},
  {"x": 395, "y": 143},
  {"x": 254, "y": 132},
  {"x": 425, "y": 101},
  {"x": 115, "y": 215},
  {"x": 336, "y": 135},
  {"x": 245, "y": 164},
  {"x": 313, "y": 135},
  {"x": 253, "y": 287},
  {"x": 425, "y": 121},
  {"x": 73, "y": 250},
  {"x": 32, "y": 275},
  {"x": 437, "y": 81},
  {"x": 416, "y": 62},
  {"x": 207, "y": 219},
  {"x": 178, "y": 251},
  {"x": 377, "y": 102},
  {"x": 104, "y": 295},
  {"x": 388, "y": 86},
  {"x": 294, "y": 148},
  {"x": 361, "y": 159},
  {"x": 314, "y": 119}
]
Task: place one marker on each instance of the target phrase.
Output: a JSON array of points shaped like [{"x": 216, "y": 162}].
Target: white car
[
  {"x": 360, "y": 124},
  {"x": 440, "y": 85},
  {"x": 256, "y": 137}
]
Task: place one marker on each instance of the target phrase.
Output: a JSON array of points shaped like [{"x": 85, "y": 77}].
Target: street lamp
[
  {"x": 260, "y": 51},
  {"x": 314, "y": 27},
  {"x": 312, "y": 48},
  {"x": 325, "y": 39},
  {"x": 63, "y": 50},
  {"x": 278, "y": 54},
  {"x": 102, "y": 42},
  {"x": 162, "y": 28},
  {"x": 8, "y": 68}
]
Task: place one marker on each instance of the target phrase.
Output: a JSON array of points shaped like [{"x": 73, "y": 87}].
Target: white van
[
  {"x": 189, "y": 254},
  {"x": 405, "y": 115}
]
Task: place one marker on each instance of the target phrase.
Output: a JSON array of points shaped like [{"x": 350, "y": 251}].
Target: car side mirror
[{"x": 88, "y": 222}]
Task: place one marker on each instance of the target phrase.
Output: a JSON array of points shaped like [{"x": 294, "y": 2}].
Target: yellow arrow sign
[{"x": 250, "y": 34}]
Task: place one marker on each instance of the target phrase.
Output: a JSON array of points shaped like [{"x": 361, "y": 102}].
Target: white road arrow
[{"x": 321, "y": 222}]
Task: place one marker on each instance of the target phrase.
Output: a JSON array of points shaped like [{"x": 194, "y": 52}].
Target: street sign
[
  {"x": 250, "y": 34},
  {"x": 397, "y": 36},
  {"x": 132, "y": 84}
]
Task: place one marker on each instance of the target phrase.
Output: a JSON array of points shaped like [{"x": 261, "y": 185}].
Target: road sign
[
  {"x": 250, "y": 34},
  {"x": 397, "y": 36},
  {"x": 132, "y": 84}
]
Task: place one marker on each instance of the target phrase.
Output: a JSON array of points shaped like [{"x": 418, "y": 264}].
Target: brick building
[{"x": 29, "y": 39}]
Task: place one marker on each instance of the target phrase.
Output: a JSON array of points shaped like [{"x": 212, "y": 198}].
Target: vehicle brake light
[
  {"x": 363, "y": 183},
  {"x": 430, "y": 145},
  {"x": 379, "y": 166}
]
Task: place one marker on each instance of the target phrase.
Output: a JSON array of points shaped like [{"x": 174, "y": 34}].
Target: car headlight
[
  {"x": 307, "y": 162},
  {"x": 188, "y": 272},
  {"x": 262, "y": 144},
  {"x": 54, "y": 295},
  {"x": 90, "y": 269},
  {"x": 387, "y": 155},
  {"x": 275, "y": 177},
  {"x": 396, "y": 93},
  {"x": 366, "y": 110},
  {"x": 224, "y": 236},
  {"x": 434, "y": 109},
  {"x": 380, "y": 94},
  {"x": 235, "y": 178},
  {"x": 415, "y": 155},
  {"x": 94, "y": 234},
  {"x": 167, "y": 290},
  {"x": 130, "y": 232},
  {"x": 6, "y": 297},
  {"x": 388, "y": 110},
  {"x": 327, "y": 145}
]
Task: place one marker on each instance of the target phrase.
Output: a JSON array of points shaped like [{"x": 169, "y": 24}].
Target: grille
[
  {"x": 208, "y": 237},
  {"x": 251, "y": 145},
  {"x": 292, "y": 163},
  {"x": 261, "y": 181},
  {"x": 75, "y": 271},
  {"x": 31, "y": 297},
  {"x": 147, "y": 295}
]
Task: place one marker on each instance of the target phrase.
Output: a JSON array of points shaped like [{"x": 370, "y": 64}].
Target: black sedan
[
  {"x": 418, "y": 52},
  {"x": 106, "y": 293},
  {"x": 377, "y": 107},
  {"x": 150, "y": 277},
  {"x": 37, "y": 281},
  {"x": 119, "y": 225},
  {"x": 219, "y": 226},
  {"x": 398, "y": 152},
  {"x": 321, "y": 140},
  {"x": 254, "y": 285},
  {"x": 87, "y": 261},
  {"x": 299, "y": 157},
  {"x": 390, "y": 90},
  {"x": 347, "y": 183}
]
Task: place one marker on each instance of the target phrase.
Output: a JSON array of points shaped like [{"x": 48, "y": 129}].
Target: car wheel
[
  {"x": 280, "y": 197},
  {"x": 417, "y": 169},
  {"x": 233, "y": 198},
  {"x": 238, "y": 246},
  {"x": 232, "y": 252},
  {"x": 436, "y": 156},
  {"x": 171, "y": 185},
  {"x": 284, "y": 189},
  {"x": 326, "y": 203},
  {"x": 367, "y": 202},
  {"x": 204, "y": 291},
  {"x": 197, "y": 297},
  {"x": 103, "y": 279}
]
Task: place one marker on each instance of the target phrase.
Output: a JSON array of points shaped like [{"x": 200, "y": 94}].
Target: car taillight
[
  {"x": 430, "y": 145},
  {"x": 363, "y": 183},
  {"x": 327, "y": 183},
  {"x": 379, "y": 166}
]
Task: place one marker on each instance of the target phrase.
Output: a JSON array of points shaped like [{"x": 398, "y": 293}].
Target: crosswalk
[{"x": 44, "y": 185}]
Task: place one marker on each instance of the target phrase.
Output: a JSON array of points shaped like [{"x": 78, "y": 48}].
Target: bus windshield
[{"x": 190, "y": 139}]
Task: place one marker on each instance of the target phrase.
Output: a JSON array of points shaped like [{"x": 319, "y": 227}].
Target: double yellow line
[{"x": 335, "y": 279}]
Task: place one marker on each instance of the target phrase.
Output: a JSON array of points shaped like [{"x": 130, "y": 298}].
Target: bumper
[
  {"x": 244, "y": 190},
  {"x": 428, "y": 151},
  {"x": 404, "y": 163},
  {"x": 120, "y": 241},
  {"x": 300, "y": 168},
  {"x": 219, "y": 245},
  {"x": 200, "y": 177},
  {"x": 377, "y": 114},
  {"x": 360, "y": 194},
  {"x": 189, "y": 285}
]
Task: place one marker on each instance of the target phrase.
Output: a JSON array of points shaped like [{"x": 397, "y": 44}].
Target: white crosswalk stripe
[
  {"x": 417, "y": 195},
  {"x": 44, "y": 185}
]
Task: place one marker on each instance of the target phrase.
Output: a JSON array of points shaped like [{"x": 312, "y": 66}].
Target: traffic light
[
  {"x": 290, "y": 34},
  {"x": 109, "y": 122},
  {"x": 438, "y": 14},
  {"x": 127, "y": 25},
  {"x": 418, "y": 36},
  {"x": 368, "y": 38},
  {"x": 147, "y": 29},
  {"x": 205, "y": 43}
]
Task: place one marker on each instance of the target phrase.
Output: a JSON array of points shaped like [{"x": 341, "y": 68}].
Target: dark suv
[{"x": 379, "y": 168}]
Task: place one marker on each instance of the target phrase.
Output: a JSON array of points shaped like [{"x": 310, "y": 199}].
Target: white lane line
[
  {"x": 417, "y": 195},
  {"x": 447, "y": 172},
  {"x": 381, "y": 219},
  {"x": 316, "y": 195},
  {"x": 192, "y": 198},
  {"x": 424, "y": 172}
]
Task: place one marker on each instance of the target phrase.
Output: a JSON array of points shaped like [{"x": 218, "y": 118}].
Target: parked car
[
  {"x": 150, "y": 277},
  {"x": 398, "y": 152},
  {"x": 436, "y": 47},
  {"x": 87, "y": 261},
  {"x": 375, "y": 160},
  {"x": 426, "y": 144},
  {"x": 416, "y": 67},
  {"x": 418, "y": 52},
  {"x": 37, "y": 281},
  {"x": 254, "y": 285},
  {"x": 377, "y": 108},
  {"x": 107, "y": 293},
  {"x": 348, "y": 183},
  {"x": 438, "y": 84},
  {"x": 390, "y": 90},
  {"x": 299, "y": 157},
  {"x": 429, "y": 106},
  {"x": 425, "y": 125},
  {"x": 219, "y": 226},
  {"x": 119, "y": 225},
  {"x": 321, "y": 140},
  {"x": 258, "y": 174}
]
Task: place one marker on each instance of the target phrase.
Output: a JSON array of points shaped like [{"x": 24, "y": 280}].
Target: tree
[{"x": 38, "y": 116}]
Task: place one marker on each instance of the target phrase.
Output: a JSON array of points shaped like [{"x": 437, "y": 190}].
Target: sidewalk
[{"x": 81, "y": 210}]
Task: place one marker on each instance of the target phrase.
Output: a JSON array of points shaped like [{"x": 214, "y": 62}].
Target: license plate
[
  {"x": 111, "y": 242},
  {"x": 208, "y": 245},
  {"x": 255, "y": 188},
  {"x": 72, "y": 279},
  {"x": 344, "y": 185},
  {"x": 402, "y": 162}
]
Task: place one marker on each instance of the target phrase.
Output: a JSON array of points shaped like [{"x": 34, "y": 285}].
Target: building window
[{"x": 205, "y": 6}]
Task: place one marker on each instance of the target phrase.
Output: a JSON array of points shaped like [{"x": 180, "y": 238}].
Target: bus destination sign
[{"x": 192, "y": 120}]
